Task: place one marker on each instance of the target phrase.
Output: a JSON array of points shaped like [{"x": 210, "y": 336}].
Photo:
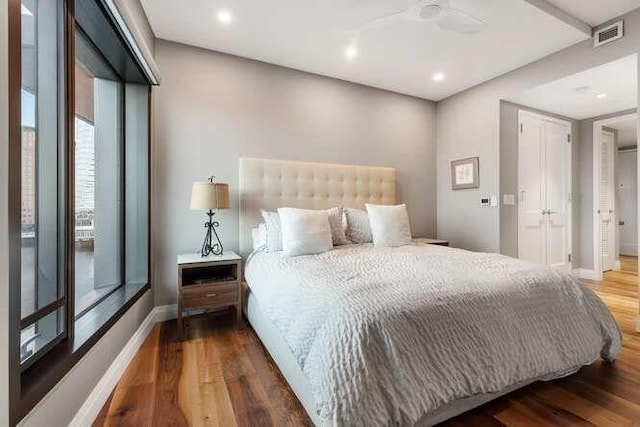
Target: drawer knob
[{"x": 211, "y": 295}]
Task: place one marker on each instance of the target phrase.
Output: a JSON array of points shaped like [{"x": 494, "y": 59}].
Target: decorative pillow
[
  {"x": 358, "y": 228},
  {"x": 259, "y": 237},
  {"x": 305, "y": 232},
  {"x": 389, "y": 225},
  {"x": 337, "y": 229},
  {"x": 273, "y": 231}
]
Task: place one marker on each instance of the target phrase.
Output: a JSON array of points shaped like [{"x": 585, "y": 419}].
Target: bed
[{"x": 410, "y": 335}]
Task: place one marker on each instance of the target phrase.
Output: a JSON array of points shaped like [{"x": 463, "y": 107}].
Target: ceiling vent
[{"x": 608, "y": 34}]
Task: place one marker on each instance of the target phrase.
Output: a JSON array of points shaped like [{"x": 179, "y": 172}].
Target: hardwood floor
[
  {"x": 629, "y": 264},
  {"x": 221, "y": 376}
]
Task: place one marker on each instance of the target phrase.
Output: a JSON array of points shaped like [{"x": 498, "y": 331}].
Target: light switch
[
  {"x": 494, "y": 200},
  {"x": 509, "y": 199}
]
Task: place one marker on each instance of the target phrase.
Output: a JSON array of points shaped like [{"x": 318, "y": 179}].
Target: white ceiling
[
  {"x": 627, "y": 132},
  {"x": 576, "y": 96},
  {"x": 313, "y": 35},
  {"x": 595, "y": 12}
]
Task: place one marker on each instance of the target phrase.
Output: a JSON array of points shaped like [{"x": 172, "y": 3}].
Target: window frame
[{"x": 29, "y": 384}]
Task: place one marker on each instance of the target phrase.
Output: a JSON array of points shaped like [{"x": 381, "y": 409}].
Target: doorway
[{"x": 615, "y": 221}]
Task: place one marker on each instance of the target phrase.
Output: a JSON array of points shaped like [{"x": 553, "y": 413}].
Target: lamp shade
[{"x": 209, "y": 196}]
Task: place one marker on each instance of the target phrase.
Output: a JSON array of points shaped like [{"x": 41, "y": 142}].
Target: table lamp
[{"x": 209, "y": 196}]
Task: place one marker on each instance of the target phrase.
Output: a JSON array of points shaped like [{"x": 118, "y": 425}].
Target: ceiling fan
[{"x": 438, "y": 12}]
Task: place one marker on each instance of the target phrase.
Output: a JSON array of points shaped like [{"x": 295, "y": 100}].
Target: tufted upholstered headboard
[{"x": 272, "y": 184}]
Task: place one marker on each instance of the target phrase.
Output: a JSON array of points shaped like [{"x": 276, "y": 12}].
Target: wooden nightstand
[
  {"x": 207, "y": 283},
  {"x": 427, "y": 241}
]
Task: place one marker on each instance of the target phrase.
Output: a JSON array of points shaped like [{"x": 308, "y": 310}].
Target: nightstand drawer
[{"x": 210, "y": 296}]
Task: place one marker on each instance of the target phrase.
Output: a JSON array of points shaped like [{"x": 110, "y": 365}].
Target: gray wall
[
  {"x": 213, "y": 108},
  {"x": 4, "y": 220},
  {"x": 627, "y": 203},
  {"x": 509, "y": 178},
  {"x": 468, "y": 125}
]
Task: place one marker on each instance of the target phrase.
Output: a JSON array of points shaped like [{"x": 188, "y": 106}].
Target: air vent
[{"x": 608, "y": 34}]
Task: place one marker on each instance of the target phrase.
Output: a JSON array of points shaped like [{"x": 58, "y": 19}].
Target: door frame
[
  {"x": 597, "y": 160},
  {"x": 526, "y": 113}
]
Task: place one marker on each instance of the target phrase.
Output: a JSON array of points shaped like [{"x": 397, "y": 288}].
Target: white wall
[
  {"x": 4, "y": 222},
  {"x": 627, "y": 200},
  {"x": 213, "y": 108},
  {"x": 468, "y": 125}
]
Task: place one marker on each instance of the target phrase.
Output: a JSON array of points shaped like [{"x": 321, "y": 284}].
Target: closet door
[
  {"x": 531, "y": 207},
  {"x": 607, "y": 202},
  {"x": 544, "y": 183},
  {"x": 557, "y": 189}
]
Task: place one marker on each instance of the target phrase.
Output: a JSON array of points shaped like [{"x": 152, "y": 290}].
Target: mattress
[{"x": 398, "y": 335}]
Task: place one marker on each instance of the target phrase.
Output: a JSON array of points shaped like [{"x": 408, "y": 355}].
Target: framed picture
[{"x": 465, "y": 174}]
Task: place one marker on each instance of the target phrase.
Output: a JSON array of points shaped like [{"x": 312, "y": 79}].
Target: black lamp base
[{"x": 209, "y": 247}]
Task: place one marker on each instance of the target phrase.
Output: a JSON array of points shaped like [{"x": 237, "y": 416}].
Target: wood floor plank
[
  {"x": 101, "y": 419},
  {"x": 132, "y": 407},
  {"x": 585, "y": 409},
  {"x": 251, "y": 405},
  {"x": 223, "y": 376}
]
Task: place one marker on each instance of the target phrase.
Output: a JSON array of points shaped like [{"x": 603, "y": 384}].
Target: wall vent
[{"x": 608, "y": 34}]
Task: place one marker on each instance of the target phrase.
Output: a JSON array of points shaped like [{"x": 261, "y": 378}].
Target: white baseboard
[
  {"x": 166, "y": 312},
  {"x": 91, "y": 407},
  {"x": 583, "y": 273},
  {"x": 629, "y": 249}
]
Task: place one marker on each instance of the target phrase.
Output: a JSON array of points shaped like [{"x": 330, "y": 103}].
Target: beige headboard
[{"x": 272, "y": 184}]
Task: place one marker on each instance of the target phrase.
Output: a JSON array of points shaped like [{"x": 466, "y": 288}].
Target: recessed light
[
  {"x": 24, "y": 11},
  {"x": 438, "y": 77},
  {"x": 224, "y": 17},
  {"x": 602, "y": 95},
  {"x": 351, "y": 52}
]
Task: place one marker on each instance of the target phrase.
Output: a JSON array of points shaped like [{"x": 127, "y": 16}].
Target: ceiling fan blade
[
  {"x": 380, "y": 22},
  {"x": 460, "y": 22}
]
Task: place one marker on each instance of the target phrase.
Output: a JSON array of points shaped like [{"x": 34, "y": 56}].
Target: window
[
  {"x": 98, "y": 159},
  {"x": 79, "y": 187},
  {"x": 42, "y": 296}
]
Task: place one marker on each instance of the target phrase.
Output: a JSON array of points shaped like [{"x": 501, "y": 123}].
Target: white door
[
  {"x": 531, "y": 213},
  {"x": 557, "y": 188},
  {"x": 607, "y": 202},
  {"x": 544, "y": 208}
]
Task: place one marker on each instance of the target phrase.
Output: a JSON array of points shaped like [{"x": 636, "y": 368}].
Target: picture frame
[{"x": 465, "y": 173}]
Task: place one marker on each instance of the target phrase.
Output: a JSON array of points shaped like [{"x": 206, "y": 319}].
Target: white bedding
[{"x": 387, "y": 335}]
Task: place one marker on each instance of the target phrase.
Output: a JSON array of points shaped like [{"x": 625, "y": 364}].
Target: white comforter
[{"x": 387, "y": 335}]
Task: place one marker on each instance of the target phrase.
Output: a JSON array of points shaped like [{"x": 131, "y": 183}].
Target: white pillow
[
  {"x": 304, "y": 232},
  {"x": 337, "y": 229},
  {"x": 358, "y": 228},
  {"x": 259, "y": 237},
  {"x": 273, "y": 231},
  {"x": 389, "y": 225}
]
